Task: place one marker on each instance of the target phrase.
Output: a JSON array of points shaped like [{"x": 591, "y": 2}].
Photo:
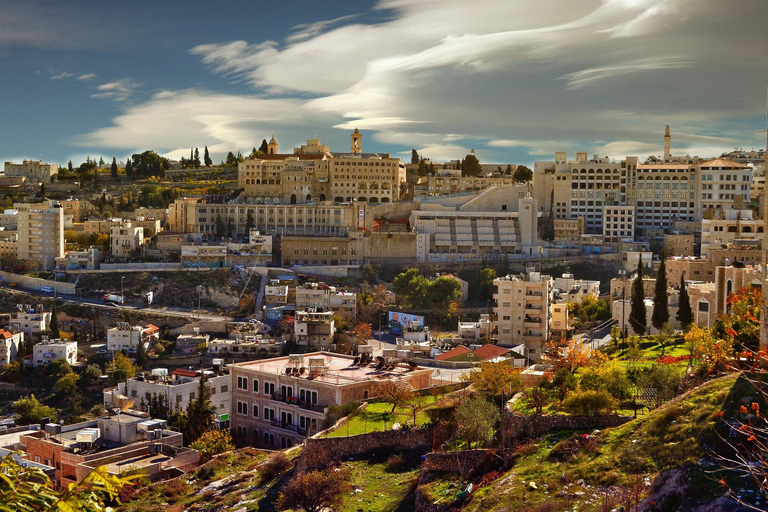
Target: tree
[
  {"x": 141, "y": 353},
  {"x": 414, "y": 156},
  {"x": 412, "y": 287},
  {"x": 264, "y": 146},
  {"x": 684, "y": 312},
  {"x": 53, "y": 326},
  {"x": 67, "y": 385},
  {"x": 485, "y": 286},
  {"x": 741, "y": 325},
  {"x": 29, "y": 411},
  {"x": 231, "y": 160},
  {"x": 129, "y": 167},
  {"x": 213, "y": 442},
  {"x": 149, "y": 163},
  {"x": 200, "y": 412},
  {"x": 196, "y": 159},
  {"x": 442, "y": 291},
  {"x": 28, "y": 488},
  {"x": 207, "y": 158},
  {"x": 362, "y": 332},
  {"x": 314, "y": 491},
  {"x": 508, "y": 170},
  {"x": 589, "y": 403},
  {"x": 91, "y": 376},
  {"x": 42, "y": 190},
  {"x": 611, "y": 377},
  {"x": 660, "y": 315},
  {"x": 471, "y": 165},
  {"x": 121, "y": 369},
  {"x": 250, "y": 223},
  {"x": 221, "y": 229},
  {"x": 113, "y": 169},
  {"x": 476, "y": 418},
  {"x": 496, "y": 379},
  {"x": 397, "y": 392},
  {"x": 637, "y": 316},
  {"x": 230, "y": 228},
  {"x": 522, "y": 174},
  {"x": 101, "y": 163},
  {"x": 69, "y": 167}
]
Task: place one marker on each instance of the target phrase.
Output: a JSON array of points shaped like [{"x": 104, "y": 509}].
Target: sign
[
  {"x": 404, "y": 319},
  {"x": 150, "y": 297},
  {"x": 224, "y": 417}
]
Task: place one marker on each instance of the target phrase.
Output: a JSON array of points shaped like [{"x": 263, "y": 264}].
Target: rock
[
  {"x": 668, "y": 491},
  {"x": 722, "y": 504},
  {"x": 560, "y": 494},
  {"x": 580, "y": 481},
  {"x": 532, "y": 485}
]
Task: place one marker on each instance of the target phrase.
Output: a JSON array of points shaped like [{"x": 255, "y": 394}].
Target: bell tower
[
  {"x": 667, "y": 143},
  {"x": 272, "y": 146},
  {"x": 357, "y": 142}
]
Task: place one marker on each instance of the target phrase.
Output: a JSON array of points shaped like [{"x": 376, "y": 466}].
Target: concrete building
[
  {"x": 618, "y": 223},
  {"x": 573, "y": 290},
  {"x": 178, "y": 387},
  {"x": 33, "y": 323},
  {"x": 40, "y": 235},
  {"x": 322, "y": 295},
  {"x": 732, "y": 279},
  {"x": 187, "y": 343},
  {"x": 522, "y": 310},
  {"x": 254, "y": 346},
  {"x": 204, "y": 256},
  {"x": 275, "y": 294},
  {"x": 703, "y": 298},
  {"x": 125, "y": 240},
  {"x": 559, "y": 320},
  {"x": 730, "y": 226},
  {"x": 278, "y": 402},
  {"x": 9, "y": 345},
  {"x": 679, "y": 244},
  {"x": 322, "y": 250},
  {"x": 81, "y": 260},
  {"x": 127, "y": 337},
  {"x": 314, "y": 329},
  {"x": 474, "y": 331},
  {"x": 32, "y": 169},
  {"x": 53, "y": 350}
]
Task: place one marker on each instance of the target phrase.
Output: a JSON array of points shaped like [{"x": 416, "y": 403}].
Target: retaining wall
[
  {"x": 35, "y": 283},
  {"x": 521, "y": 427},
  {"x": 461, "y": 462}
]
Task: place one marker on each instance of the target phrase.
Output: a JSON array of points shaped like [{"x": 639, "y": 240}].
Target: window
[
  {"x": 255, "y": 385},
  {"x": 242, "y": 408},
  {"x": 269, "y": 388},
  {"x": 242, "y": 383},
  {"x": 255, "y": 411}
]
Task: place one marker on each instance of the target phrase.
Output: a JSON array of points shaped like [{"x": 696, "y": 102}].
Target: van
[{"x": 46, "y": 289}]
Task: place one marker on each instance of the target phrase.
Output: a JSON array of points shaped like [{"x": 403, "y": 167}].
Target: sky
[{"x": 515, "y": 80}]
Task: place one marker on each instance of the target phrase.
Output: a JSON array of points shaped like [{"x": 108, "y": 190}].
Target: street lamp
[{"x": 122, "y": 291}]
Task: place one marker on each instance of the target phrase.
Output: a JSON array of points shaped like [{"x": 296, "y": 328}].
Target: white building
[
  {"x": 180, "y": 388},
  {"x": 124, "y": 337},
  {"x": 522, "y": 310},
  {"x": 314, "y": 329},
  {"x": 32, "y": 323},
  {"x": 575, "y": 290},
  {"x": 483, "y": 328},
  {"x": 125, "y": 239},
  {"x": 255, "y": 345},
  {"x": 322, "y": 295},
  {"x": 9, "y": 345},
  {"x": 53, "y": 350},
  {"x": 732, "y": 226}
]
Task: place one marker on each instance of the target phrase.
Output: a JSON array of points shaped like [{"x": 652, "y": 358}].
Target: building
[
  {"x": 9, "y": 345},
  {"x": 327, "y": 297},
  {"x": 32, "y": 169},
  {"x": 178, "y": 389},
  {"x": 255, "y": 346},
  {"x": 53, "y": 350},
  {"x": 275, "y": 294},
  {"x": 574, "y": 291},
  {"x": 81, "y": 260},
  {"x": 451, "y": 182},
  {"x": 522, "y": 310},
  {"x": 732, "y": 279},
  {"x": 474, "y": 331},
  {"x": 559, "y": 320},
  {"x": 278, "y": 402},
  {"x": 703, "y": 298},
  {"x": 321, "y": 250},
  {"x": 33, "y": 323},
  {"x": 314, "y": 329},
  {"x": 679, "y": 244},
  {"x": 730, "y": 226},
  {"x": 128, "y": 439},
  {"x": 187, "y": 343},
  {"x": 124, "y": 337},
  {"x": 618, "y": 223},
  {"x": 204, "y": 256},
  {"x": 40, "y": 235},
  {"x": 125, "y": 240}
]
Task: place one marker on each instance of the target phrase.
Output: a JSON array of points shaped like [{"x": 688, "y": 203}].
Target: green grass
[
  {"x": 376, "y": 417},
  {"x": 380, "y": 488}
]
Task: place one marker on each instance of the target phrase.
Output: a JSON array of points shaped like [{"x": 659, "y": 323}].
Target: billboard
[{"x": 397, "y": 319}]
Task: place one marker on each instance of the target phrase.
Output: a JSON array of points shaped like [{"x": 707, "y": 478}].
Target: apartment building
[
  {"x": 40, "y": 235},
  {"x": 125, "y": 239},
  {"x": 254, "y": 346},
  {"x": 10, "y": 341},
  {"x": 314, "y": 329},
  {"x": 125, "y": 336},
  {"x": 53, "y": 350},
  {"x": 179, "y": 388},
  {"x": 33, "y": 323},
  {"x": 729, "y": 227},
  {"x": 618, "y": 223},
  {"x": 32, "y": 169},
  {"x": 450, "y": 181},
  {"x": 322, "y": 295},
  {"x": 323, "y": 250},
  {"x": 523, "y": 310},
  {"x": 204, "y": 256},
  {"x": 278, "y": 402},
  {"x": 574, "y": 291}
]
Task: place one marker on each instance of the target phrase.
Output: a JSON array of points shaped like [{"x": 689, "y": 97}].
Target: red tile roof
[
  {"x": 721, "y": 162},
  {"x": 456, "y": 352},
  {"x": 181, "y": 372},
  {"x": 489, "y": 351}
]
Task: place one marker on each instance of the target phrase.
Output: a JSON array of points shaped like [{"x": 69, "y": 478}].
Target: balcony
[
  {"x": 301, "y": 404},
  {"x": 535, "y": 308},
  {"x": 289, "y": 426}
]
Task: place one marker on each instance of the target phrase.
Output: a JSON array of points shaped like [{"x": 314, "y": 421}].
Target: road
[{"x": 98, "y": 303}]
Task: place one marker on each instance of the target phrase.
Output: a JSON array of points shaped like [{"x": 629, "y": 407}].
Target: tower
[
  {"x": 667, "y": 141},
  {"x": 272, "y": 146},
  {"x": 357, "y": 141}
]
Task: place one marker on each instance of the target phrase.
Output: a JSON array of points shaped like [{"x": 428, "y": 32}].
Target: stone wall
[
  {"x": 318, "y": 453},
  {"x": 35, "y": 283},
  {"x": 521, "y": 427},
  {"x": 462, "y": 462}
]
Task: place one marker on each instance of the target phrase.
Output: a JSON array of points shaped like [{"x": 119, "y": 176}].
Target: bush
[
  {"x": 589, "y": 403},
  {"x": 612, "y": 378},
  {"x": 336, "y": 412},
  {"x": 395, "y": 462},
  {"x": 315, "y": 490},
  {"x": 213, "y": 442},
  {"x": 273, "y": 466}
]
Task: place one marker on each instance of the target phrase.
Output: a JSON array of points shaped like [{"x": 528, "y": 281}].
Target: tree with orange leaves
[{"x": 741, "y": 325}]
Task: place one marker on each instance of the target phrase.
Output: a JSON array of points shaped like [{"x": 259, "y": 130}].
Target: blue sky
[{"x": 514, "y": 80}]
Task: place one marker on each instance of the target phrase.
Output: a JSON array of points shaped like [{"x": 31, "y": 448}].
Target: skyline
[{"x": 513, "y": 82}]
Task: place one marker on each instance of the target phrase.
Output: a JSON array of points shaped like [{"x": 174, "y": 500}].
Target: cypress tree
[
  {"x": 207, "y": 158},
  {"x": 113, "y": 169},
  {"x": 53, "y": 327},
  {"x": 684, "y": 311},
  {"x": 129, "y": 167},
  {"x": 250, "y": 223},
  {"x": 264, "y": 146},
  {"x": 660, "y": 314},
  {"x": 637, "y": 317}
]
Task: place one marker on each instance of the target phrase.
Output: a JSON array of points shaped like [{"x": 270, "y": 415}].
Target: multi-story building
[
  {"x": 276, "y": 403},
  {"x": 253, "y": 346},
  {"x": 125, "y": 336},
  {"x": 32, "y": 323},
  {"x": 178, "y": 389},
  {"x": 32, "y": 169},
  {"x": 450, "y": 181},
  {"x": 322, "y": 295},
  {"x": 53, "y": 350},
  {"x": 474, "y": 331},
  {"x": 618, "y": 223},
  {"x": 80, "y": 260},
  {"x": 207, "y": 256},
  {"x": 9, "y": 345},
  {"x": 732, "y": 279},
  {"x": 574, "y": 291},
  {"x": 730, "y": 226},
  {"x": 40, "y": 235},
  {"x": 125, "y": 239},
  {"x": 314, "y": 329},
  {"x": 522, "y": 310},
  {"x": 679, "y": 244},
  {"x": 321, "y": 250},
  {"x": 9, "y": 220}
]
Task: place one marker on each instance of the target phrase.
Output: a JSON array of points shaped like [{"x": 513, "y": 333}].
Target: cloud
[
  {"x": 62, "y": 75},
  {"x": 119, "y": 90},
  {"x": 518, "y": 79},
  {"x": 86, "y": 77}
]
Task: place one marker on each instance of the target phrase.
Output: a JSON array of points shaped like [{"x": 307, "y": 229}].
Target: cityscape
[{"x": 324, "y": 264}]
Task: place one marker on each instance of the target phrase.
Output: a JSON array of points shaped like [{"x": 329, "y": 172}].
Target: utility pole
[{"x": 623, "y": 305}]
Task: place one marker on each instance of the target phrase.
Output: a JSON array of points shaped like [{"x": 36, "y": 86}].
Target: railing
[
  {"x": 289, "y": 426},
  {"x": 292, "y": 400}
]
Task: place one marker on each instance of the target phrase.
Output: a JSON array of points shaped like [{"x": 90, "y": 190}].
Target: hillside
[{"x": 560, "y": 471}]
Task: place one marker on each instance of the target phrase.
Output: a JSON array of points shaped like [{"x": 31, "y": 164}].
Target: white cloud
[
  {"x": 587, "y": 77},
  {"x": 62, "y": 75},
  {"x": 86, "y": 77},
  {"x": 119, "y": 90}
]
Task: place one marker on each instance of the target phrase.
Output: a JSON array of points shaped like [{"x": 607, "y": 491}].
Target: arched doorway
[{"x": 293, "y": 198}]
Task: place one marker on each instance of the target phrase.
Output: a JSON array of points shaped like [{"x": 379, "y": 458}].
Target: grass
[
  {"x": 377, "y": 487},
  {"x": 378, "y": 417}
]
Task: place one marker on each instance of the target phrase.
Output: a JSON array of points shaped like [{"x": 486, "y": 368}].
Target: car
[
  {"x": 46, "y": 289},
  {"x": 13, "y": 285},
  {"x": 102, "y": 351}
]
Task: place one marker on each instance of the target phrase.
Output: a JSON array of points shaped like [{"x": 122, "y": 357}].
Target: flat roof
[{"x": 339, "y": 369}]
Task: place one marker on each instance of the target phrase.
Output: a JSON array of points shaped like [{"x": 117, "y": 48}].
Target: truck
[{"x": 109, "y": 297}]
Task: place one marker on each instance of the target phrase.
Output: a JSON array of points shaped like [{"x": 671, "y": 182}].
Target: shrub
[
  {"x": 314, "y": 491},
  {"x": 395, "y": 462},
  {"x": 273, "y": 466},
  {"x": 589, "y": 403},
  {"x": 611, "y": 377},
  {"x": 212, "y": 443}
]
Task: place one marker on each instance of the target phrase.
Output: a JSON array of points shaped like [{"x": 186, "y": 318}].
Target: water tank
[
  {"x": 88, "y": 435},
  {"x": 53, "y": 429},
  {"x": 218, "y": 362},
  {"x": 365, "y": 349},
  {"x": 160, "y": 372},
  {"x": 389, "y": 353},
  {"x": 296, "y": 358}
]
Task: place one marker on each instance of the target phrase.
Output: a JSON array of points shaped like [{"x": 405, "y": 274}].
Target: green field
[{"x": 377, "y": 418}]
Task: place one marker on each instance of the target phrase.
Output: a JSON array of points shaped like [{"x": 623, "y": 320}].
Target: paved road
[{"x": 87, "y": 301}]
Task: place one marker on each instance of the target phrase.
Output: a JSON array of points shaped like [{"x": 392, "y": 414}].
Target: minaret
[
  {"x": 272, "y": 146},
  {"x": 357, "y": 142},
  {"x": 667, "y": 141}
]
